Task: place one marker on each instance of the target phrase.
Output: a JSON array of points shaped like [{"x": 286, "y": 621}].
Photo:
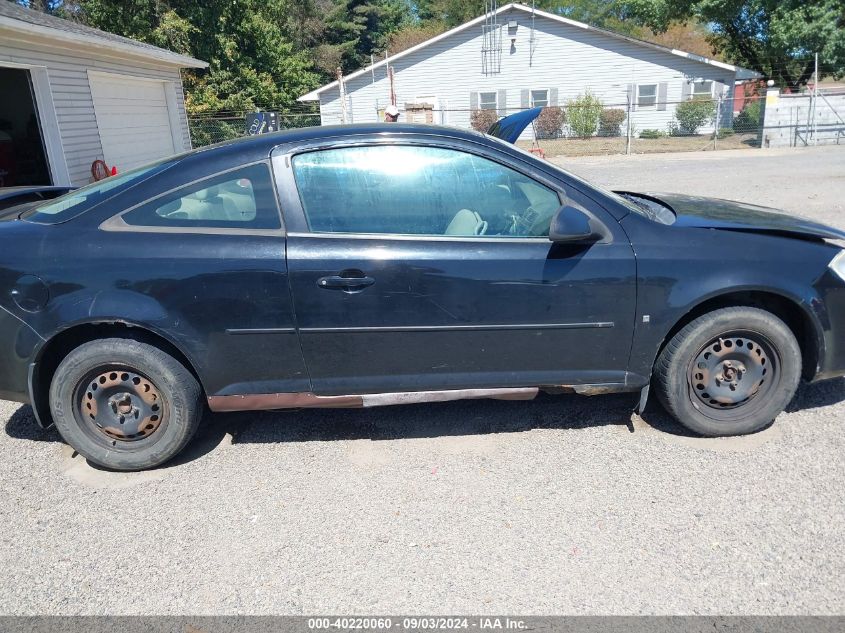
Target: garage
[
  {"x": 23, "y": 160},
  {"x": 71, "y": 96},
  {"x": 134, "y": 119}
]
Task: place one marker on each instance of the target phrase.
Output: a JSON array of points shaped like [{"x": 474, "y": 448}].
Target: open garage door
[
  {"x": 134, "y": 120},
  {"x": 23, "y": 160}
]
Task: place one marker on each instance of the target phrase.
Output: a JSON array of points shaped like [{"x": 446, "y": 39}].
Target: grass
[{"x": 598, "y": 146}]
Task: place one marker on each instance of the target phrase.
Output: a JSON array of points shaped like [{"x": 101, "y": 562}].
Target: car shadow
[{"x": 445, "y": 419}]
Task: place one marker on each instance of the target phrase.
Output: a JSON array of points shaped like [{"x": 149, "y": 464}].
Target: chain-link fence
[
  {"x": 217, "y": 127},
  {"x": 584, "y": 126}
]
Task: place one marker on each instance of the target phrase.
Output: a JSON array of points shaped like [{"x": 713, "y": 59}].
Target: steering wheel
[{"x": 523, "y": 224}]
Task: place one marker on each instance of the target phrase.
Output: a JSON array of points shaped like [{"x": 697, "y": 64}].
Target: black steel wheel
[
  {"x": 732, "y": 370},
  {"x": 729, "y": 372},
  {"x": 119, "y": 407},
  {"x": 124, "y": 404}
]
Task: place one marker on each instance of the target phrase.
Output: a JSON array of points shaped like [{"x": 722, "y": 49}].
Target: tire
[
  {"x": 125, "y": 405},
  {"x": 729, "y": 372}
]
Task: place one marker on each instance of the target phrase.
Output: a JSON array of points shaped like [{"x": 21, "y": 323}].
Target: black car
[{"x": 367, "y": 265}]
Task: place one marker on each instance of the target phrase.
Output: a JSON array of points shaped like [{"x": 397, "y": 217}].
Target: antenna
[{"x": 491, "y": 42}]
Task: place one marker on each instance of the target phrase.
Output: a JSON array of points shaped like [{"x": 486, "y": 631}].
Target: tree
[
  {"x": 253, "y": 60},
  {"x": 777, "y": 38}
]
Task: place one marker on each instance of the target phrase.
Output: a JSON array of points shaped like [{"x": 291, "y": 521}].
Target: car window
[
  {"x": 241, "y": 198},
  {"x": 414, "y": 190},
  {"x": 80, "y": 200}
]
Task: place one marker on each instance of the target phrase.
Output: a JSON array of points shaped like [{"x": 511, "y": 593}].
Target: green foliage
[
  {"x": 610, "y": 122},
  {"x": 584, "y": 114},
  {"x": 651, "y": 134},
  {"x": 750, "y": 118},
  {"x": 481, "y": 120},
  {"x": 723, "y": 132},
  {"x": 694, "y": 113},
  {"x": 262, "y": 53},
  {"x": 550, "y": 121},
  {"x": 774, "y": 37}
]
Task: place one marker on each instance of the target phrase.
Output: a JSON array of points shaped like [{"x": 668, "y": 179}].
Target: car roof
[{"x": 259, "y": 146}]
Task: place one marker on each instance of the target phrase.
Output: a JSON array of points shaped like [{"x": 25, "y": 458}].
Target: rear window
[{"x": 77, "y": 202}]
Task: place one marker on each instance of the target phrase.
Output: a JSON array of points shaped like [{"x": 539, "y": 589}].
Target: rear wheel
[
  {"x": 124, "y": 404},
  {"x": 729, "y": 372}
]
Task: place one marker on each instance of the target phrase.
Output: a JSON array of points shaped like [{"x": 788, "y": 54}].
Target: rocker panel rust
[{"x": 270, "y": 401}]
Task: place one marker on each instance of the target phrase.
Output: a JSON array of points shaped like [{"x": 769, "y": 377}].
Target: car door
[
  {"x": 206, "y": 263},
  {"x": 426, "y": 265}
]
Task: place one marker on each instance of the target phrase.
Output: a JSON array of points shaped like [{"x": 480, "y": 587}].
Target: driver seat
[{"x": 466, "y": 222}]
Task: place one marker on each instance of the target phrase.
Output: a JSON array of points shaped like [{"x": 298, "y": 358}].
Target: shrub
[
  {"x": 694, "y": 113},
  {"x": 583, "y": 114},
  {"x": 550, "y": 121},
  {"x": 748, "y": 120},
  {"x": 481, "y": 120},
  {"x": 610, "y": 122},
  {"x": 652, "y": 134},
  {"x": 724, "y": 132}
]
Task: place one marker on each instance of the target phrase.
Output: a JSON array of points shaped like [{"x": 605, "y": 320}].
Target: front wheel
[
  {"x": 124, "y": 404},
  {"x": 729, "y": 372}
]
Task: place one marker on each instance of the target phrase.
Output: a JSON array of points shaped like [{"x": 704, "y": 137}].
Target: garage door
[{"x": 133, "y": 119}]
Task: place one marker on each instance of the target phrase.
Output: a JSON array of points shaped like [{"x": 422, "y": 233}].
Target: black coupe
[{"x": 367, "y": 265}]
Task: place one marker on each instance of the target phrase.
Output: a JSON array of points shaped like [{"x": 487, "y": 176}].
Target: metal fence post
[{"x": 718, "y": 116}]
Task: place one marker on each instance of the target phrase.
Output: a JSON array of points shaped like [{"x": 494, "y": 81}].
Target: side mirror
[{"x": 573, "y": 226}]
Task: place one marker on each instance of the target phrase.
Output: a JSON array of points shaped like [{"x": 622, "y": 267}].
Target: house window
[
  {"x": 702, "y": 89},
  {"x": 539, "y": 98},
  {"x": 487, "y": 100},
  {"x": 647, "y": 95}
]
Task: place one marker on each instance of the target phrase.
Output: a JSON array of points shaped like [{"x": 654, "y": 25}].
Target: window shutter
[
  {"x": 524, "y": 100},
  {"x": 502, "y": 103},
  {"x": 630, "y": 97},
  {"x": 686, "y": 89},
  {"x": 552, "y": 96},
  {"x": 473, "y": 101},
  {"x": 662, "y": 88}
]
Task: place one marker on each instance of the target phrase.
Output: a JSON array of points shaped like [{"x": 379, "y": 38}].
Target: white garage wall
[{"x": 68, "y": 74}]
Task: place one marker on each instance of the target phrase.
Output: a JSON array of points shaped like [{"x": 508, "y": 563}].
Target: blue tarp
[{"x": 510, "y": 127}]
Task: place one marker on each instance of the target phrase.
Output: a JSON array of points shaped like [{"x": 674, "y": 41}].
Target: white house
[
  {"x": 515, "y": 58},
  {"x": 72, "y": 94}
]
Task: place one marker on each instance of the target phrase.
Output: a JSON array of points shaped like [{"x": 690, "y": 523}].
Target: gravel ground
[{"x": 561, "y": 505}]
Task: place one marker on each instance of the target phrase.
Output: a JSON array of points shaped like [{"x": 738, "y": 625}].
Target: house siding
[
  {"x": 566, "y": 59},
  {"x": 67, "y": 69}
]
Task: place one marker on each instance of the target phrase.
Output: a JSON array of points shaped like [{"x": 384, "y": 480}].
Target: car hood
[{"x": 714, "y": 213}]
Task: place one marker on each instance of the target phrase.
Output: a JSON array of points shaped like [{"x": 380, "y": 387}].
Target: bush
[
  {"x": 724, "y": 132},
  {"x": 748, "y": 120},
  {"x": 694, "y": 113},
  {"x": 583, "y": 114},
  {"x": 481, "y": 120},
  {"x": 550, "y": 121},
  {"x": 652, "y": 134},
  {"x": 610, "y": 122}
]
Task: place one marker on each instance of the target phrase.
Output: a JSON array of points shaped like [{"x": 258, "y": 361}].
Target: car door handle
[{"x": 336, "y": 282}]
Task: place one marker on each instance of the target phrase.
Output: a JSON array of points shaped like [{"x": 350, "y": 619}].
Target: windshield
[{"x": 76, "y": 202}]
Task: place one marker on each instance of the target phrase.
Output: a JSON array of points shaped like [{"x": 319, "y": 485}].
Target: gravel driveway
[{"x": 561, "y": 505}]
